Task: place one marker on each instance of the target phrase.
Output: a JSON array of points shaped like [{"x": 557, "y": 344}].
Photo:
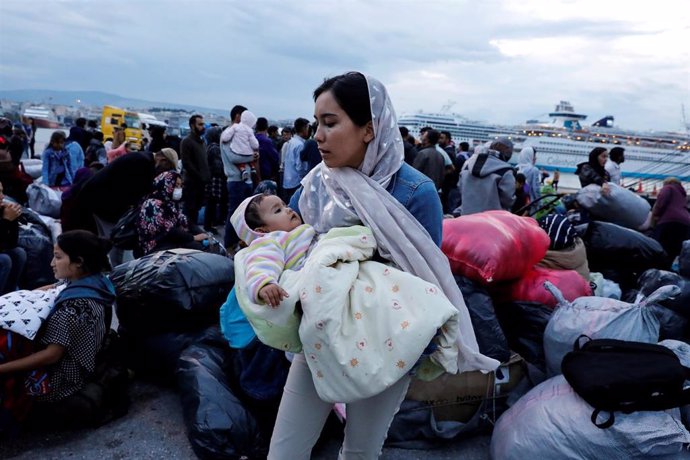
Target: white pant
[{"x": 302, "y": 415}]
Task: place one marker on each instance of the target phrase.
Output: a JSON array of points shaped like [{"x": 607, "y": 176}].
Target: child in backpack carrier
[
  {"x": 278, "y": 241},
  {"x": 238, "y": 144}
]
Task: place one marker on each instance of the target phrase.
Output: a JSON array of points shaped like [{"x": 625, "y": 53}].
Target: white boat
[
  {"x": 562, "y": 143},
  {"x": 460, "y": 128},
  {"x": 43, "y": 116}
]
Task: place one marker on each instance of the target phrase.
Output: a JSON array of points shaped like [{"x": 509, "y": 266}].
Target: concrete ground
[{"x": 154, "y": 429}]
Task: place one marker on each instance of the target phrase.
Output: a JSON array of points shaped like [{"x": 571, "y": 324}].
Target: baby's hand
[{"x": 272, "y": 294}]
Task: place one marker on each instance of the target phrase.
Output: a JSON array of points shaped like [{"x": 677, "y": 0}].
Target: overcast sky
[{"x": 502, "y": 61}]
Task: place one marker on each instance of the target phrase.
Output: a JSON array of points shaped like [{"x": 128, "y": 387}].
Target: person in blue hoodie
[
  {"x": 73, "y": 147},
  {"x": 487, "y": 180}
]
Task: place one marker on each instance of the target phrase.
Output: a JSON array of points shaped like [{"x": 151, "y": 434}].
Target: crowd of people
[{"x": 352, "y": 166}]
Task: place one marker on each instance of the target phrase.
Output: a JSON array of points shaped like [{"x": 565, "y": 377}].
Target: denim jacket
[
  {"x": 413, "y": 190},
  {"x": 416, "y": 192},
  {"x": 53, "y": 166}
]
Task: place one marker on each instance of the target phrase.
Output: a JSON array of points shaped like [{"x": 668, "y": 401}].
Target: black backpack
[
  {"x": 124, "y": 234},
  {"x": 616, "y": 375}
]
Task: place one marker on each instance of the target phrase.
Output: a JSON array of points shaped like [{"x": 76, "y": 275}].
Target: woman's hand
[
  {"x": 272, "y": 294},
  {"x": 50, "y": 355},
  {"x": 11, "y": 211},
  {"x": 606, "y": 189},
  {"x": 201, "y": 237},
  {"x": 46, "y": 287}
]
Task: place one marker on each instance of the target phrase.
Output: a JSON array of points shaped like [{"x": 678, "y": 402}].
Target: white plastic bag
[
  {"x": 553, "y": 422},
  {"x": 44, "y": 200},
  {"x": 599, "y": 318}
]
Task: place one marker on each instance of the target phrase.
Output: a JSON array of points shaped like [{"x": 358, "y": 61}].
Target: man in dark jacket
[
  {"x": 410, "y": 149},
  {"x": 195, "y": 172},
  {"x": 428, "y": 160},
  {"x": 269, "y": 159}
]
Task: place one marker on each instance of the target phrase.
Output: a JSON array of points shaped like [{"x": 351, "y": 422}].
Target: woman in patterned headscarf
[
  {"x": 363, "y": 179},
  {"x": 162, "y": 224}
]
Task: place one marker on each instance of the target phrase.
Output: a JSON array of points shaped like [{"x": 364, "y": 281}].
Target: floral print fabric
[{"x": 159, "y": 212}]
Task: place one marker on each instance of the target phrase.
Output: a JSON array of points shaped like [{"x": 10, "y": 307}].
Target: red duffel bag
[
  {"x": 530, "y": 288},
  {"x": 493, "y": 245}
]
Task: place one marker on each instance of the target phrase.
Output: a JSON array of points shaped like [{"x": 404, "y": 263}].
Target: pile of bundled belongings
[
  {"x": 168, "y": 305},
  {"x": 620, "y": 206},
  {"x": 616, "y": 400},
  {"x": 165, "y": 301},
  {"x": 509, "y": 310}
]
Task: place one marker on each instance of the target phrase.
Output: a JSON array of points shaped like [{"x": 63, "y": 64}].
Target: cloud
[{"x": 500, "y": 60}]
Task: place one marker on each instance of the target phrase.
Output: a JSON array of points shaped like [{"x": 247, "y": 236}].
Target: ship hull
[{"x": 46, "y": 124}]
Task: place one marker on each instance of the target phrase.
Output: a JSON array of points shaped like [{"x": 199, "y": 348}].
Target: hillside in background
[{"x": 93, "y": 98}]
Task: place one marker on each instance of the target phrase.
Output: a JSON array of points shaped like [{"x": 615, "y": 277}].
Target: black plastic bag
[
  {"x": 36, "y": 241},
  {"x": 175, "y": 290},
  {"x": 684, "y": 260},
  {"x": 103, "y": 397},
  {"x": 523, "y": 324},
  {"x": 672, "y": 325},
  {"x": 155, "y": 356},
  {"x": 415, "y": 427},
  {"x": 621, "y": 254},
  {"x": 653, "y": 279},
  {"x": 490, "y": 337},
  {"x": 218, "y": 424},
  {"x": 124, "y": 234}
]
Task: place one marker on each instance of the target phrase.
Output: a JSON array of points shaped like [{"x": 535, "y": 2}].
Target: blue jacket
[
  {"x": 258, "y": 372},
  {"x": 55, "y": 163},
  {"x": 76, "y": 156},
  {"x": 417, "y": 193}
]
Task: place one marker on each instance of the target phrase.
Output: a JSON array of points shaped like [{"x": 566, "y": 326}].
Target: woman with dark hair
[
  {"x": 162, "y": 224},
  {"x": 671, "y": 217},
  {"x": 75, "y": 329},
  {"x": 216, "y": 191},
  {"x": 593, "y": 172},
  {"x": 363, "y": 180},
  {"x": 57, "y": 164}
]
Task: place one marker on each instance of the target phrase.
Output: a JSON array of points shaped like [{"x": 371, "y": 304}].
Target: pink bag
[
  {"x": 530, "y": 288},
  {"x": 493, "y": 245}
]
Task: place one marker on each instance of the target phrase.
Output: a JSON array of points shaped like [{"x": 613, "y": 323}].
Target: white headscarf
[{"x": 341, "y": 197}]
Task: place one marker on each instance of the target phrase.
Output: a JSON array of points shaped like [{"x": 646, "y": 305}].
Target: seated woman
[
  {"x": 593, "y": 171},
  {"x": 57, "y": 170},
  {"x": 671, "y": 217},
  {"x": 75, "y": 329},
  {"x": 12, "y": 257},
  {"x": 162, "y": 224}
]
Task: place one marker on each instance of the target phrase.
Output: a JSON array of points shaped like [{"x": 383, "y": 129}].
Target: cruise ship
[
  {"x": 562, "y": 143},
  {"x": 43, "y": 116},
  {"x": 460, "y": 128}
]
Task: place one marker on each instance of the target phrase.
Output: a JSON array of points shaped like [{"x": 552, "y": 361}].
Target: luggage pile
[
  {"x": 531, "y": 300},
  {"x": 167, "y": 305}
]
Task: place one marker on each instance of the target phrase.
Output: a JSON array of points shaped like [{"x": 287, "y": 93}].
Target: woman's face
[
  {"x": 603, "y": 156},
  {"x": 341, "y": 142},
  {"x": 63, "y": 268},
  {"x": 58, "y": 144}
]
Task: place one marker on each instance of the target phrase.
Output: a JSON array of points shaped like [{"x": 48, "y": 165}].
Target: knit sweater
[{"x": 274, "y": 253}]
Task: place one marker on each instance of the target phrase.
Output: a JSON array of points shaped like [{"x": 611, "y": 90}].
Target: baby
[
  {"x": 238, "y": 143},
  {"x": 277, "y": 240}
]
